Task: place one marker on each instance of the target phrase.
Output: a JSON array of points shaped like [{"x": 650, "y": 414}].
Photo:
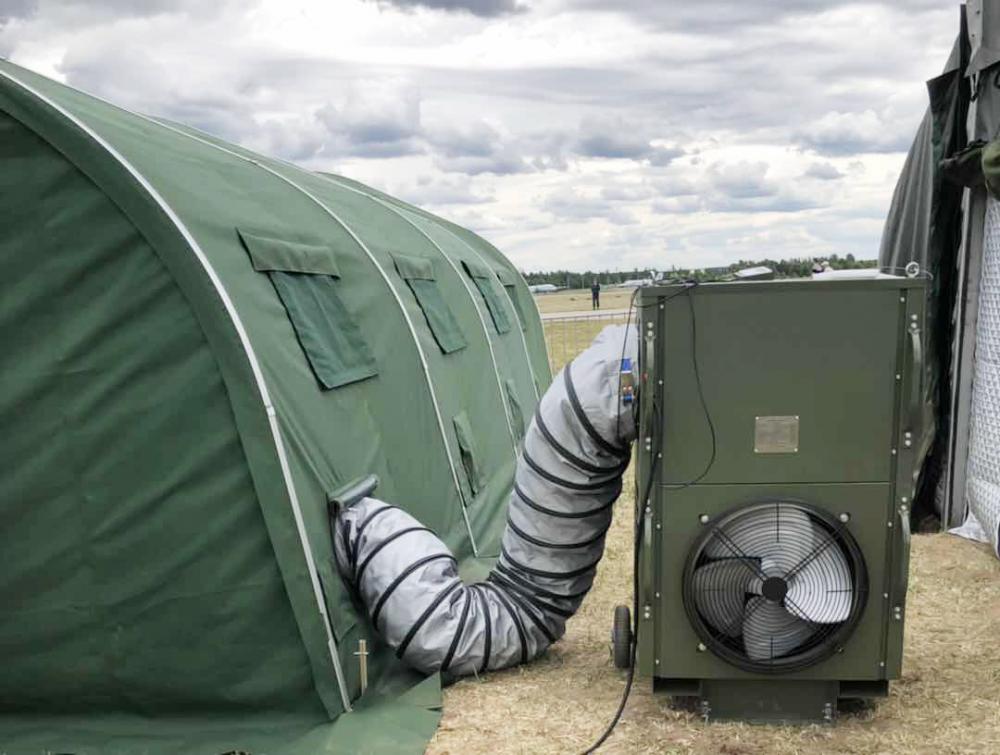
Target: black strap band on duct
[
  {"x": 402, "y": 578},
  {"x": 379, "y": 548},
  {"x": 581, "y": 416}
]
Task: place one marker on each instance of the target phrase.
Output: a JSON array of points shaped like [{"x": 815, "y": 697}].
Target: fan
[{"x": 775, "y": 586}]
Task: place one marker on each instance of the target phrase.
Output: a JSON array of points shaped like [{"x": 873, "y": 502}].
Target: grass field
[
  {"x": 566, "y": 337},
  {"x": 578, "y": 300},
  {"x": 948, "y": 700}
]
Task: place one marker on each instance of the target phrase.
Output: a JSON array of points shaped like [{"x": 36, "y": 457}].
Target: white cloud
[
  {"x": 475, "y": 7},
  {"x": 823, "y": 171},
  {"x": 574, "y": 133}
]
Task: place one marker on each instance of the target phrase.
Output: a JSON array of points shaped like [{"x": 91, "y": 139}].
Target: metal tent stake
[{"x": 362, "y": 654}]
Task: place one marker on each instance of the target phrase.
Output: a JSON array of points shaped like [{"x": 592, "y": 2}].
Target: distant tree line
[{"x": 797, "y": 268}]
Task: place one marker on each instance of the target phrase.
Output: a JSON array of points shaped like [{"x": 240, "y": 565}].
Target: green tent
[{"x": 201, "y": 345}]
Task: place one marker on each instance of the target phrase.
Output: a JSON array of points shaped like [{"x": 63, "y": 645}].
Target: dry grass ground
[
  {"x": 948, "y": 700},
  {"x": 578, "y": 300}
]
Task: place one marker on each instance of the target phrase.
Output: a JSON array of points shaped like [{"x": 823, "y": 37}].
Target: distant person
[{"x": 595, "y": 295}]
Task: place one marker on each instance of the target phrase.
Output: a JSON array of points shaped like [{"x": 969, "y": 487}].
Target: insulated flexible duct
[{"x": 569, "y": 473}]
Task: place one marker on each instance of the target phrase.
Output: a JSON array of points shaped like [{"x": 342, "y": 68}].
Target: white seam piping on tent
[
  {"x": 524, "y": 342},
  {"x": 467, "y": 245},
  {"x": 468, "y": 289},
  {"x": 333, "y": 179},
  {"x": 251, "y": 357},
  {"x": 364, "y": 247},
  {"x": 475, "y": 303}
]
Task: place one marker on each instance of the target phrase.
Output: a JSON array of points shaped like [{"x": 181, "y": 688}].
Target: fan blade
[
  {"x": 770, "y": 632},
  {"x": 782, "y": 533},
  {"x": 720, "y": 590},
  {"x": 795, "y": 537},
  {"x": 822, "y": 591}
]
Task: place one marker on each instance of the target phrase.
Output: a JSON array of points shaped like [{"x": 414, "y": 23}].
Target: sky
[{"x": 574, "y": 134}]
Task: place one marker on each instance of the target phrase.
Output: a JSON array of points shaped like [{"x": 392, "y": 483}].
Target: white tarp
[{"x": 983, "y": 475}]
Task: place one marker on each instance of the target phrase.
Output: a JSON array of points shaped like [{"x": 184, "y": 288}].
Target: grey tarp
[{"x": 924, "y": 225}]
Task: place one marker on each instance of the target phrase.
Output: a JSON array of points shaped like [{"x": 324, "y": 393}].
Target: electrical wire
[
  {"x": 628, "y": 324},
  {"x": 701, "y": 399},
  {"x": 640, "y": 523},
  {"x": 642, "y": 501},
  {"x": 688, "y": 285}
]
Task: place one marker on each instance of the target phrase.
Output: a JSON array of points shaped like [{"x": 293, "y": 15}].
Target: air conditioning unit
[{"x": 780, "y": 431}]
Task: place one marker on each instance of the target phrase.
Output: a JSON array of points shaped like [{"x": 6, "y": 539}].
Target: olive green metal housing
[{"x": 844, "y": 358}]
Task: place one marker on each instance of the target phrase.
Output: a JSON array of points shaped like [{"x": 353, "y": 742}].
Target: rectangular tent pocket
[
  {"x": 419, "y": 276},
  {"x": 306, "y": 277},
  {"x": 483, "y": 278},
  {"x": 469, "y": 452},
  {"x": 510, "y": 286},
  {"x": 517, "y": 416}
]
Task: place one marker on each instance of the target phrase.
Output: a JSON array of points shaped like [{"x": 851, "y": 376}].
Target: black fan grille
[{"x": 775, "y": 586}]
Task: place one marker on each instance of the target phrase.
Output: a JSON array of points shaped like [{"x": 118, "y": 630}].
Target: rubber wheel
[{"x": 621, "y": 637}]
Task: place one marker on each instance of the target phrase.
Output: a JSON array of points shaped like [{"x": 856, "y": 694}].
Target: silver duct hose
[{"x": 569, "y": 474}]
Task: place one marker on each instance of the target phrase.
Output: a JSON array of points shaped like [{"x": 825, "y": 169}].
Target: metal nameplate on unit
[{"x": 776, "y": 435}]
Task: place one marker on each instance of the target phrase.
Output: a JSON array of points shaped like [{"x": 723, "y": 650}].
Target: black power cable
[
  {"x": 701, "y": 400},
  {"x": 640, "y": 525},
  {"x": 640, "y": 522}
]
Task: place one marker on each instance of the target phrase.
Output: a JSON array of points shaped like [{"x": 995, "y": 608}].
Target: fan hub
[{"x": 774, "y": 589}]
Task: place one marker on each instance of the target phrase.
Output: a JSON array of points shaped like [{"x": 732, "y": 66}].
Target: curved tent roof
[{"x": 207, "y": 343}]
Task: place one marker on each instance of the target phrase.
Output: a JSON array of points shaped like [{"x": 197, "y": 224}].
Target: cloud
[
  {"x": 616, "y": 139},
  {"x": 376, "y": 118},
  {"x": 728, "y": 187},
  {"x": 742, "y": 180},
  {"x": 384, "y": 123},
  {"x": 823, "y": 172},
  {"x": 838, "y": 133},
  {"x": 298, "y": 140},
  {"x": 12, "y": 9},
  {"x": 769, "y": 204},
  {"x": 613, "y": 144},
  {"x": 431, "y": 191},
  {"x": 678, "y": 205},
  {"x": 483, "y": 8},
  {"x": 746, "y": 187},
  {"x": 719, "y": 16},
  {"x": 576, "y": 133},
  {"x": 89, "y": 12},
  {"x": 579, "y": 207},
  {"x": 627, "y": 192},
  {"x": 475, "y": 149}
]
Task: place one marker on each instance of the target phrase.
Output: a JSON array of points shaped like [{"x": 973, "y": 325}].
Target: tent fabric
[
  {"x": 515, "y": 299},
  {"x": 990, "y": 162},
  {"x": 420, "y": 277},
  {"x": 486, "y": 281},
  {"x": 168, "y": 579},
  {"x": 924, "y": 225},
  {"x": 280, "y": 255},
  {"x": 983, "y": 485},
  {"x": 330, "y": 337},
  {"x": 532, "y": 339},
  {"x": 941, "y": 217}
]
